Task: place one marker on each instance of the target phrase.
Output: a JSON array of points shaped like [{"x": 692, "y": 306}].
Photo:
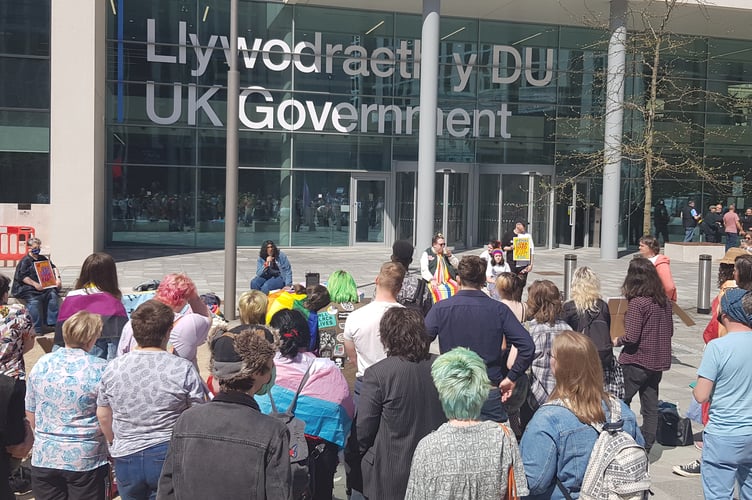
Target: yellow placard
[{"x": 521, "y": 248}]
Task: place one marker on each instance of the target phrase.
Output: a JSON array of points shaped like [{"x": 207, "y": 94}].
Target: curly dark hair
[
  {"x": 403, "y": 334},
  {"x": 294, "y": 333},
  {"x": 643, "y": 281},
  {"x": 725, "y": 273},
  {"x": 472, "y": 271},
  {"x": 262, "y": 252},
  {"x": 255, "y": 352}
]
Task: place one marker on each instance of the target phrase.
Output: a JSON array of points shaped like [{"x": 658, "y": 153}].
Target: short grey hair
[{"x": 33, "y": 240}]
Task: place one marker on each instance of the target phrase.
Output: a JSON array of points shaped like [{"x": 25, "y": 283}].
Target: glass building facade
[{"x": 329, "y": 111}]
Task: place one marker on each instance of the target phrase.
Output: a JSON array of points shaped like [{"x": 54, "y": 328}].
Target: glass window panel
[
  {"x": 325, "y": 199},
  {"x": 25, "y": 27},
  {"x": 264, "y": 208},
  {"x": 27, "y": 131},
  {"x": 29, "y": 176},
  {"x": 405, "y": 205},
  {"x": 152, "y": 145},
  {"x": 29, "y": 86},
  {"x": 488, "y": 208},
  {"x": 256, "y": 149},
  {"x": 153, "y": 205},
  {"x": 342, "y": 152},
  {"x": 522, "y": 35}
]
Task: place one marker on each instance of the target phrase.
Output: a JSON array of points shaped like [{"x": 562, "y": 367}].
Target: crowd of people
[{"x": 521, "y": 391}]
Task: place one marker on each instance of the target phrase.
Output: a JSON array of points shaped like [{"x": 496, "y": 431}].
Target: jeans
[
  {"x": 63, "y": 484},
  {"x": 35, "y": 305},
  {"x": 325, "y": 461},
  {"x": 726, "y": 460},
  {"x": 492, "y": 409},
  {"x": 105, "y": 349},
  {"x": 689, "y": 233},
  {"x": 267, "y": 285},
  {"x": 732, "y": 240},
  {"x": 644, "y": 381},
  {"x": 138, "y": 474}
]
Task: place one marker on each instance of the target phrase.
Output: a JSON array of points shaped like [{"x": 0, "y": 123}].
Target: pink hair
[{"x": 175, "y": 289}]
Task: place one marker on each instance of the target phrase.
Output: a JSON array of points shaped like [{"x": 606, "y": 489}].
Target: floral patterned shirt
[
  {"x": 61, "y": 392},
  {"x": 15, "y": 324}
]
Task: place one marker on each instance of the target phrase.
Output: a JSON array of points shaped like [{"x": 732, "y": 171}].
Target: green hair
[
  {"x": 342, "y": 287},
  {"x": 462, "y": 382}
]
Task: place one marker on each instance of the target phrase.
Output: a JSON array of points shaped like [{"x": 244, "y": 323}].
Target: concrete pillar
[
  {"x": 613, "y": 130},
  {"x": 429, "y": 88},
  {"x": 77, "y": 136}
]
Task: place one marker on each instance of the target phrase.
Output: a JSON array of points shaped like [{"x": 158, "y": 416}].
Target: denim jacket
[
  {"x": 283, "y": 264},
  {"x": 556, "y": 444},
  {"x": 227, "y": 449}
]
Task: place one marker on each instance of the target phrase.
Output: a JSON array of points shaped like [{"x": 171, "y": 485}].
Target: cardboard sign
[
  {"x": 45, "y": 274},
  {"x": 521, "y": 248},
  {"x": 617, "y": 307}
]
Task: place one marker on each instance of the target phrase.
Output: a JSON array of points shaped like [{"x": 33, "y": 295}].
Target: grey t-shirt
[{"x": 147, "y": 391}]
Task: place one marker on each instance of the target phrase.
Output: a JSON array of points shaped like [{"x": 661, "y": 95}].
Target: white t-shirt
[{"x": 362, "y": 329}]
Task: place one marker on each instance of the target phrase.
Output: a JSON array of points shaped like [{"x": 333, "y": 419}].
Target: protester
[
  {"x": 588, "y": 313},
  {"x": 474, "y": 320},
  {"x": 324, "y": 403},
  {"x": 650, "y": 249},
  {"x": 558, "y": 441},
  {"x": 239, "y": 452},
  {"x": 398, "y": 405},
  {"x": 16, "y": 337},
  {"x": 141, "y": 396},
  {"x": 364, "y": 348},
  {"x": 648, "y": 328},
  {"x": 510, "y": 287},
  {"x": 522, "y": 266},
  {"x": 332, "y": 318},
  {"x": 190, "y": 328},
  {"x": 69, "y": 458},
  {"x": 27, "y": 286},
  {"x": 437, "y": 263},
  {"x": 252, "y": 306},
  {"x": 480, "y": 452},
  {"x": 496, "y": 266},
  {"x": 98, "y": 292},
  {"x": 725, "y": 376},
  {"x": 414, "y": 292},
  {"x": 544, "y": 310},
  {"x": 273, "y": 270}
]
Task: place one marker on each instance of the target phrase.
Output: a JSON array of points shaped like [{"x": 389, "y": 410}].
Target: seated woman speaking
[{"x": 273, "y": 270}]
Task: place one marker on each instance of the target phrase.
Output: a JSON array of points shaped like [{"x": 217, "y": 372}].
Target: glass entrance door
[
  {"x": 450, "y": 207},
  {"x": 368, "y": 211},
  {"x": 575, "y": 215}
]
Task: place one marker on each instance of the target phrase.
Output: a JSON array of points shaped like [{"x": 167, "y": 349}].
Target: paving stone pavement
[{"x": 207, "y": 270}]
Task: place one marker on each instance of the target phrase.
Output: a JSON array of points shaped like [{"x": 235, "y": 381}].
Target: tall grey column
[
  {"x": 429, "y": 87},
  {"x": 231, "y": 169},
  {"x": 613, "y": 131}
]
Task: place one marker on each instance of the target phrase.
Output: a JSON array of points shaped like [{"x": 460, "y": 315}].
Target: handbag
[
  {"x": 673, "y": 430},
  {"x": 511, "y": 492}
]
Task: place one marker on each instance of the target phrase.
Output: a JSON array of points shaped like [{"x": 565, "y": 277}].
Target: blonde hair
[
  {"x": 252, "y": 306},
  {"x": 586, "y": 290},
  {"x": 579, "y": 376},
  {"x": 391, "y": 275},
  {"x": 81, "y": 328}
]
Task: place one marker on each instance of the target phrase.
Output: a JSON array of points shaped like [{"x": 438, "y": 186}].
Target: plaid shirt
[
  {"x": 542, "y": 382},
  {"x": 648, "y": 330}
]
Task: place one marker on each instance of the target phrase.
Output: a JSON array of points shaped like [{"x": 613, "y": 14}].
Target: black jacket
[{"x": 227, "y": 449}]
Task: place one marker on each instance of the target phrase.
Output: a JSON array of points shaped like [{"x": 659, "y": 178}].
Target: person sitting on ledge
[{"x": 273, "y": 270}]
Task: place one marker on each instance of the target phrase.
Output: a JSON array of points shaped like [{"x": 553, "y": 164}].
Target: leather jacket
[{"x": 227, "y": 449}]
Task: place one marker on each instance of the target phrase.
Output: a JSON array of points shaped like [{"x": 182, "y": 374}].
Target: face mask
[
  {"x": 35, "y": 251},
  {"x": 268, "y": 386}
]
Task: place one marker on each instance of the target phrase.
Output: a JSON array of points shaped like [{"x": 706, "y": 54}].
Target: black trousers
[
  {"x": 644, "y": 381},
  {"x": 56, "y": 484}
]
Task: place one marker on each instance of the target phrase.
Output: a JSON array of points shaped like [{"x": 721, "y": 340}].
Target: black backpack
[
  {"x": 300, "y": 459},
  {"x": 414, "y": 294}
]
